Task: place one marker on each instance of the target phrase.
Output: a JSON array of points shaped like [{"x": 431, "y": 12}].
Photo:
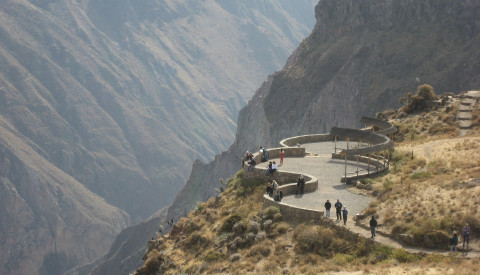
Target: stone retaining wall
[
  {"x": 379, "y": 142},
  {"x": 378, "y": 166},
  {"x": 387, "y": 127},
  {"x": 293, "y": 213},
  {"x": 287, "y": 182}
]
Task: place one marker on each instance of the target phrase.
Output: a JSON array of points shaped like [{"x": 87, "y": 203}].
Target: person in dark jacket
[
  {"x": 328, "y": 205},
  {"x": 300, "y": 185},
  {"x": 454, "y": 242},
  {"x": 373, "y": 226},
  {"x": 338, "y": 207},
  {"x": 345, "y": 214}
]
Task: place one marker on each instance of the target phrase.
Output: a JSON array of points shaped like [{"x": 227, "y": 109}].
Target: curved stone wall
[
  {"x": 379, "y": 142},
  {"x": 378, "y": 166},
  {"x": 387, "y": 127},
  {"x": 288, "y": 180},
  {"x": 287, "y": 184},
  {"x": 293, "y": 141}
]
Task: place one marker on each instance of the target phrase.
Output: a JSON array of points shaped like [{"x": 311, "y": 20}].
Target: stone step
[
  {"x": 463, "y": 108},
  {"x": 464, "y": 123},
  {"x": 473, "y": 94},
  {"x": 464, "y": 115},
  {"x": 468, "y": 101}
]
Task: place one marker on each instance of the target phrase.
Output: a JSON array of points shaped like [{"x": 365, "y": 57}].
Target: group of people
[
  {"x": 271, "y": 168},
  {"x": 300, "y": 186},
  {"x": 249, "y": 160},
  {"x": 341, "y": 213},
  {"x": 466, "y": 238},
  {"x": 273, "y": 191}
]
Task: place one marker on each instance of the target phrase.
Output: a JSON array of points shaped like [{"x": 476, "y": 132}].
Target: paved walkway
[{"x": 328, "y": 171}]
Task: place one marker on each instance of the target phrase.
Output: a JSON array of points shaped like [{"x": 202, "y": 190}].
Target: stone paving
[{"x": 328, "y": 171}]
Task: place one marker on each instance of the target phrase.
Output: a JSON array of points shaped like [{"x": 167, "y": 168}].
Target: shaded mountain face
[
  {"x": 105, "y": 105},
  {"x": 359, "y": 59}
]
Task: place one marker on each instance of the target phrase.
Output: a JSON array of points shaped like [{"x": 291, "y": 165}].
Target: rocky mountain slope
[
  {"x": 104, "y": 106},
  {"x": 360, "y": 58}
]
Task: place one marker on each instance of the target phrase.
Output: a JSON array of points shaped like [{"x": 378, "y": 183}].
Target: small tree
[
  {"x": 426, "y": 92},
  {"x": 425, "y": 95}
]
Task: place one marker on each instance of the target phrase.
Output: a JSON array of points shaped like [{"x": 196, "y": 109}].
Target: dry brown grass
[
  {"x": 425, "y": 193},
  {"x": 428, "y": 191}
]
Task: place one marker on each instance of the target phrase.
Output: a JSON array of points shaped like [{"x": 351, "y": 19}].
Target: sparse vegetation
[{"x": 424, "y": 197}]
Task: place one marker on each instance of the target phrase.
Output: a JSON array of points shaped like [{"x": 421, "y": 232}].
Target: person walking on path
[
  {"x": 373, "y": 226},
  {"x": 338, "y": 207},
  {"x": 454, "y": 242},
  {"x": 282, "y": 155},
  {"x": 345, "y": 213},
  {"x": 466, "y": 234},
  {"x": 328, "y": 205}
]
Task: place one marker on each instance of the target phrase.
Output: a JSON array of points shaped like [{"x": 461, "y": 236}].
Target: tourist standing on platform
[
  {"x": 338, "y": 207},
  {"x": 300, "y": 185},
  {"x": 282, "y": 155},
  {"x": 345, "y": 214},
  {"x": 328, "y": 205}
]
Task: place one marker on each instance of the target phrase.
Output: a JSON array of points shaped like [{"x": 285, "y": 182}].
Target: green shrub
[
  {"x": 421, "y": 175},
  {"x": 420, "y": 101},
  {"x": 213, "y": 255},
  {"x": 403, "y": 256},
  {"x": 387, "y": 186},
  {"x": 260, "y": 249},
  {"x": 229, "y": 222},
  {"x": 152, "y": 264},
  {"x": 195, "y": 241},
  {"x": 426, "y": 92},
  {"x": 270, "y": 212},
  {"x": 222, "y": 238},
  {"x": 247, "y": 186},
  {"x": 316, "y": 240},
  {"x": 342, "y": 259}
]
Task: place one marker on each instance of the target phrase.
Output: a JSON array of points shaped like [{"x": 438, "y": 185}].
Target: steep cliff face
[
  {"x": 360, "y": 58},
  {"x": 119, "y": 98}
]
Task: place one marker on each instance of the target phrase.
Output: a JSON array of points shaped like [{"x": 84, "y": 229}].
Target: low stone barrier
[
  {"x": 379, "y": 142},
  {"x": 293, "y": 141},
  {"x": 287, "y": 184},
  {"x": 378, "y": 166},
  {"x": 386, "y": 127},
  {"x": 294, "y": 213}
]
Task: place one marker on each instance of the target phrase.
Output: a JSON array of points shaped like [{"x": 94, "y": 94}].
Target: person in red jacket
[{"x": 282, "y": 155}]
